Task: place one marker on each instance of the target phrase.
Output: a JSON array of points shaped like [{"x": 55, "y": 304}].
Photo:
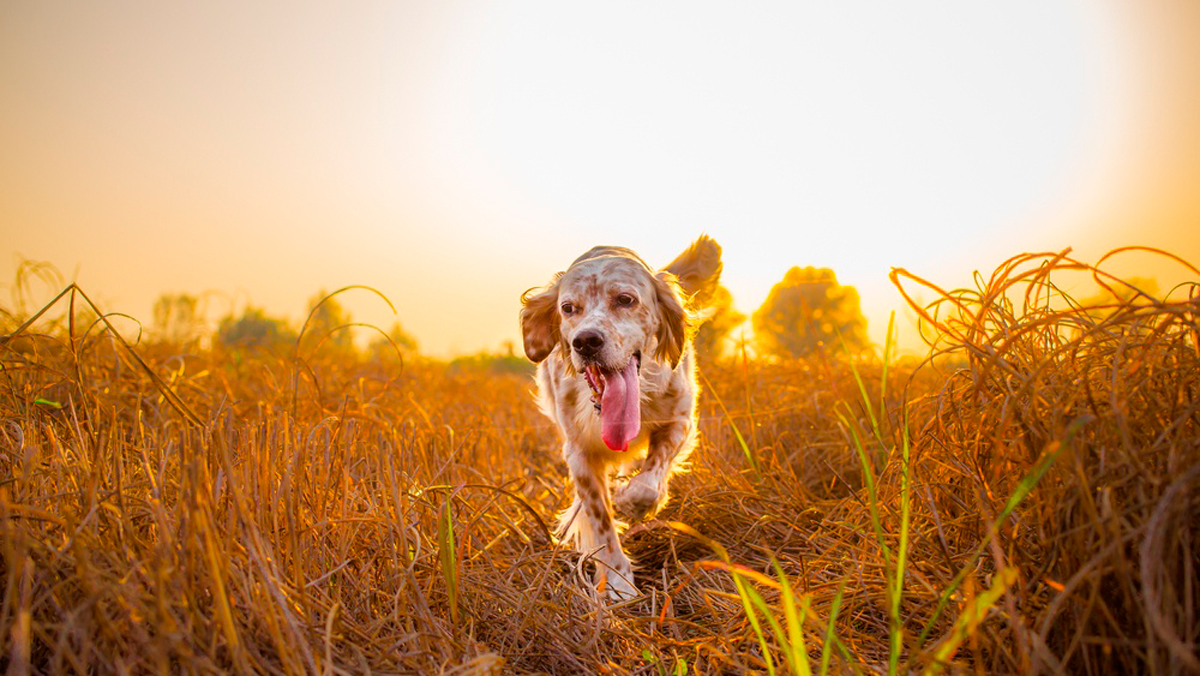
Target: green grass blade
[
  {"x": 889, "y": 351},
  {"x": 830, "y": 636},
  {"x": 751, "y": 599},
  {"x": 969, "y": 620},
  {"x": 748, "y": 596},
  {"x": 862, "y": 388},
  {"x": 797, "y": 651},
  {"x": 447, "y": 556},
  {"x": 1027, "y": 484},
  {"x": 869, "y": 480},
  {"x": 750, "y": 459},
  {"x": 897, "y": 628}
]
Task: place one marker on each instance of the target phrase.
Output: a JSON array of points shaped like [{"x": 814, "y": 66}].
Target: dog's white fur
[{"x": 639, "y": 313}]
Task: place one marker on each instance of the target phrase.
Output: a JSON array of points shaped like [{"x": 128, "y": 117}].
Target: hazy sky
[{"x": 453, "y": 155}]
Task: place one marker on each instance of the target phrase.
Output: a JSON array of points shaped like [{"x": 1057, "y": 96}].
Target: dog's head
[
  {"x": 607, "y": 313},
  {"x": 608, "y": 309}
]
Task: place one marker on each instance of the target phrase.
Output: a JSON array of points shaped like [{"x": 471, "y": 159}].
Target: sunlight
[
  {"x": 913, "y": 135},
  {"x": 272, "y": 399},
  {"x": 455, "y": 156}
]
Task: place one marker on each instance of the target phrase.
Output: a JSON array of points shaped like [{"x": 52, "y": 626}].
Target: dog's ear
[
  {"x": 539, "y": 321},
  {"x": 673, "y": 320},
  {"x": 698, "y": 270}
]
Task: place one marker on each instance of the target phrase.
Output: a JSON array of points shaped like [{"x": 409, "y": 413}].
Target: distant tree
[
  {"x": 722, "y": 319},
  {"x": 805, "y": 312},
  {"x": 175, "y": 317},
  {"x": 401, "y": 338},
  {"x": 325, "y": 322},
  {"x": 254, "y": 329},
  {"x": 1106, "y": 301},
  {"x": 506, "y": 361}
]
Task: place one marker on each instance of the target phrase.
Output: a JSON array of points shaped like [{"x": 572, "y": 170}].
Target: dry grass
[{"x": 331, "y": 516}]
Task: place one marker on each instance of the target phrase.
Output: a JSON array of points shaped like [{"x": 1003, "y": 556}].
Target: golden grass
[{"x": 164, "y": 511}]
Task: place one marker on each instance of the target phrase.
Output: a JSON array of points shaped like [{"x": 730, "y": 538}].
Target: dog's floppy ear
[
  {"x": 698, "y": 270},
  {"x": 673, "y": 320},
  {"x": 539, "y": 321}
]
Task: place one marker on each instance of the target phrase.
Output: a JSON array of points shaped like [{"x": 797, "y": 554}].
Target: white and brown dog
[{"x": 616, "y": 373}]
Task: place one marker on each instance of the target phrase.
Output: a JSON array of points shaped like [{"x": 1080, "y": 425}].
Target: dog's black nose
[{"x": 588, "y": 343}]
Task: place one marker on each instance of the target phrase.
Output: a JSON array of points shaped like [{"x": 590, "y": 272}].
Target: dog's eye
[
  {"x": 626, "y": 300},
  {"x": 568, "y": 308}
]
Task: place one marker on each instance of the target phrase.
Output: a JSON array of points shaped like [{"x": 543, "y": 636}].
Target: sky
[{"x": 453, "y": 155}]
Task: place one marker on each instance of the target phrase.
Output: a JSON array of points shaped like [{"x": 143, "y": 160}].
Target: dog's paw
[
  {"x": 619, "y": 587},
  {"x": 638, "y": 499}
]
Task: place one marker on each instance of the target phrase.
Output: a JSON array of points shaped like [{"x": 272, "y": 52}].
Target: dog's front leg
[
  {"x": 590, "y": 519},
  {"x": 646, "y": 493}
]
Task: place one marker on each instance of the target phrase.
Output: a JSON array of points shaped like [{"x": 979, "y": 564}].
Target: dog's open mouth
[{"x": 617, "y": 398}]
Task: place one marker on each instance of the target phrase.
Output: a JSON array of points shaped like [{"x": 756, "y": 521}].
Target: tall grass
[{"x": 1023, "y": 501}]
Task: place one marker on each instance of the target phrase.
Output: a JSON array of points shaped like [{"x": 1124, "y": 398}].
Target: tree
[
  {"x": 326, "y": 320},
  {"x": 254, "y": 329},
  {"x": 502, "y": 362},
  {"x": 805, "y": 312},
  {"x": 722, "y": 319},
  {"x": 1118, "y": 294},
  {"x": 402, "y": 339},
  {"x": 175, "y": 317}
]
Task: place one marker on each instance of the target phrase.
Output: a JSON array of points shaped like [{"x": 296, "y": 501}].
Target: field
[{"x": 1025, "y": 500}]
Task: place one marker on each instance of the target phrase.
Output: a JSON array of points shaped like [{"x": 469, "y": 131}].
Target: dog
[{"x": 617, "y": 375}]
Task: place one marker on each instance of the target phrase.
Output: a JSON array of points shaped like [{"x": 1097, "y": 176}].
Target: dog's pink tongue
[{"x": 620, "y": 408}]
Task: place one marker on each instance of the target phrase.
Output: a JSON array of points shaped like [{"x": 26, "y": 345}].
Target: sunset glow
[
  {"x": 453, "y": 156},
  {"x": 575, "y": 338}
]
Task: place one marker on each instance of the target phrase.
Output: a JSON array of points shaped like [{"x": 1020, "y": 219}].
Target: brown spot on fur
[
  {"x": 570, "y": 398},
  {"x": 592, "y": 501},
  {"x": 660, "y": 435},
  {"x": 589, "y": 492},
  {"x": 596, "y": 508}
]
